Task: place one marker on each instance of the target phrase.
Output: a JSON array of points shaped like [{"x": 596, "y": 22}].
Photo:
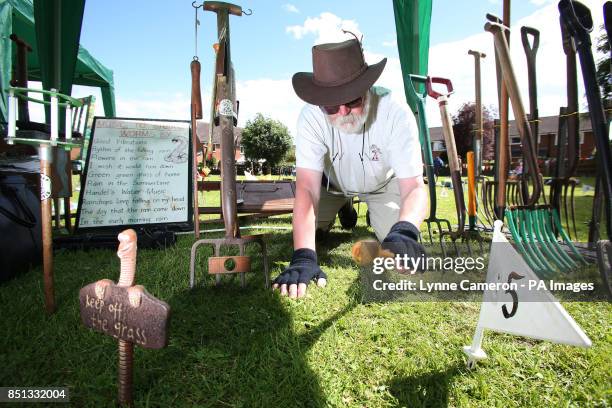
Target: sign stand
[
  {"x": 519, "y": 310},
  {"x": 127, "y": 312}
]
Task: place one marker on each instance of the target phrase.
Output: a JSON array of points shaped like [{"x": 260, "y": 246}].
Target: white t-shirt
[{"x": 361, "y": 162}]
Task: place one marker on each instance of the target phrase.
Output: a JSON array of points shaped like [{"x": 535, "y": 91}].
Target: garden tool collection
[
  {"x": 443, "y": 226},
  {"x": 531, "y": 225},
  {"x": 579, "y": 23},
  {"x": 225, "y": 116},
  {"x": 563, "y": 186},
  {"x": 453, "y": 162}
]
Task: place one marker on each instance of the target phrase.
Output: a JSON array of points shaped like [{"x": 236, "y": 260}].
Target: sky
[{"x": 150, "y": 44}]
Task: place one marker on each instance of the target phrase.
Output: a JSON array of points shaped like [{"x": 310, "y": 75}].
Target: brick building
[
  {"x": 547, "y": 138},
  {"x": 216, "y": 140}
]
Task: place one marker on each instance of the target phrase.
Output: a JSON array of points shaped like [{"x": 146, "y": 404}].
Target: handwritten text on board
[{"x": 138, "y": 173}]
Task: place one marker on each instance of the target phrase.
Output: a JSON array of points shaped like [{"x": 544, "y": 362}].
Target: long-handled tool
[
  {"x": 225, "y": 116},
  {"x": 530, "y": 224},
  {"x": 453, "y": 161},
  {"x": 477, "y": 143},
  {"x": 579, "y": 23},
  {"x": 502, "y": 147},
  {"x": 563, "y": 185},
  {"x": 418, "y": 98},
  {"x": 531, "y": 50},
  {"x": 478, "y": 122},
  {"x": 196, "y": 113}
]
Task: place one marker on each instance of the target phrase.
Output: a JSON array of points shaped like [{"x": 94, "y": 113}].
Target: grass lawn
[{"x": 250, "y": 347}]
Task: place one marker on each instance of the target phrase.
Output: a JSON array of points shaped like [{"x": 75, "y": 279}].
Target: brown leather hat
[{"x": 340, "y": 74}]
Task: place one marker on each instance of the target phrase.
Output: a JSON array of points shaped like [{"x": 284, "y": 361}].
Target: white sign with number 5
[{"x": 519, "y": 309}]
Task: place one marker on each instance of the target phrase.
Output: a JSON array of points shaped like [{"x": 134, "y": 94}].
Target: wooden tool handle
[
  {"x": 530, "y": 48},
  {"x": 196, "y": 96},
  {"x": 471, "y": 185}
]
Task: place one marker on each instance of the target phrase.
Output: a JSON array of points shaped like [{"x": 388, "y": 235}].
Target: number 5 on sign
[{"x": 515, "y": 307}]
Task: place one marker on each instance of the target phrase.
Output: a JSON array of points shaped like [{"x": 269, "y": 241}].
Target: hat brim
[{"x": 315, "y": 94}]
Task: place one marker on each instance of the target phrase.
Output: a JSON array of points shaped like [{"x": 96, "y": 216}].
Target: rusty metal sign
[{"x": 126, "y": 313}]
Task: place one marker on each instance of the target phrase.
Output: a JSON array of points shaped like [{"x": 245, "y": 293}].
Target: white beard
[{"x": 351, "y": 123}]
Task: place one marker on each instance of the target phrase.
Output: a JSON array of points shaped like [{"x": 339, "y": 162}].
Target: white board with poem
[{"x": 137, "y": 174}]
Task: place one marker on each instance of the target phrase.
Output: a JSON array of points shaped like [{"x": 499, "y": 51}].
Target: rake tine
[
  {"x": 429, "y": 231},
  {"x": 455, "y": 246},
  {"x": 469, "y": 248},
  {"x": 546, "y": 242},
  {"x": 441, "y": 233},
  {"x": 528, "y": 236},
  {"x": 565, "y": 209},
  {"x": 543, "y": 196},
  {"x": 573, "y": 207},
  {"x": 488, "y": 201},
  {"x": 512, "y": 226},
  {"x": 566, "y": 239},
  {"x": 546, "y": 219},
  {"x": 546, "y": 254},
  {"x": 484, "y": 204}
]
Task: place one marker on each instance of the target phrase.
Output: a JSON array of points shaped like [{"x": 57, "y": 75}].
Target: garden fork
[{"x": 418, "y": 98}]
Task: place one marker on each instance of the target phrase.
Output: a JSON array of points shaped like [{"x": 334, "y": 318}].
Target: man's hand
[
  {"x": 302, "y": 269},
  {"x": 402, "y": 239}
]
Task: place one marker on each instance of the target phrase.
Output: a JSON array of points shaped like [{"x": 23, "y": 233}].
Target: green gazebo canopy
[
  {"x": 412, "y": 25},
  {"x": 17, "y": 17}
]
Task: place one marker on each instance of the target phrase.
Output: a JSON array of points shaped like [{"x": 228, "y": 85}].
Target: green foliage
[
  {"x": 463, "y": 128},
  {"x": 265, "y": 138},
  {"x": 212, "y": 162}
]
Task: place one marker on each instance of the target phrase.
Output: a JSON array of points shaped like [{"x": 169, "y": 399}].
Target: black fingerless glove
[
  {"x": 402, "y": 239},
  {"x": 302, "y": 269}
]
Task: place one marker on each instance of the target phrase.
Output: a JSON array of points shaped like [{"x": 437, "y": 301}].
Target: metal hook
[
  {"x": 247, "y": 13},
  {"x": 194, "y": 5}
]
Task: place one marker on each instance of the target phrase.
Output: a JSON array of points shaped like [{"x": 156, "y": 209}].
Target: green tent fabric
[
  {"x": 412, "y": 25},
  {"x": 17, "y": 16}
]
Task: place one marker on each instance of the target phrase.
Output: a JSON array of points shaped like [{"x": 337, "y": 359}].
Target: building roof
[
  {"x": 548, "y": 124},
  {"x": 203, "y": 133}
]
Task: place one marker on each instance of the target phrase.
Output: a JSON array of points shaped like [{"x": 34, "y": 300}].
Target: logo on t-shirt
[{"x": 375, "y": 153}]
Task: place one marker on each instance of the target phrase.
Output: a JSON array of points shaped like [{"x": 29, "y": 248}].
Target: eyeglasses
[{"x": 355, "y": 103}]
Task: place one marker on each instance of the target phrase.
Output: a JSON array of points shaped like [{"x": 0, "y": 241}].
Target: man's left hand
[{"x": 402, "y": 239}]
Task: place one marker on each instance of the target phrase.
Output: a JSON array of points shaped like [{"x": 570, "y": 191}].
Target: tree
[
  {"x": 604, "y": 76},
  {"x": 265, "y": 138},
  {"x": 463, "y": 128}
]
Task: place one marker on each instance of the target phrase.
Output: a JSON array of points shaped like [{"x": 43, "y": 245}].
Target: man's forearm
[
  {"x": 414, "y": 205},
  {"x": 304, "y": 211}
]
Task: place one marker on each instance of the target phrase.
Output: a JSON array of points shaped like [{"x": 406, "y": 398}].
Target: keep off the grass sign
[{"x": 126, "y": 313}]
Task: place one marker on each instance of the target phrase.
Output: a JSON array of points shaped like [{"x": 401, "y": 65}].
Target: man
[{"x": 352, "y": 140}]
